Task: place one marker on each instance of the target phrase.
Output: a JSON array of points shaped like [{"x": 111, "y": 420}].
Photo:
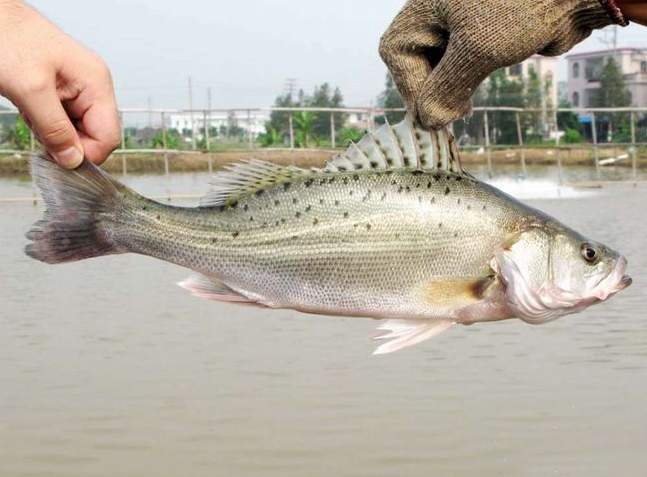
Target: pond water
[{"x": 108, "y": 369}]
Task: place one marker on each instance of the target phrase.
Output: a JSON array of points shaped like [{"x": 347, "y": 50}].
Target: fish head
[{"x": 552, "y": 271}]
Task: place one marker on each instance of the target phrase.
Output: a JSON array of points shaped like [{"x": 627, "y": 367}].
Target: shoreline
[{"x": 16, "y": 165}]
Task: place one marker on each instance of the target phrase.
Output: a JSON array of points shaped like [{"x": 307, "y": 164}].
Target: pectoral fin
[
  {"x": 405, "y": 333},
  {"x": 456, "y": 293}
]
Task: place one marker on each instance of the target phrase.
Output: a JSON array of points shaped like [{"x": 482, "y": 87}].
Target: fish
[{"x": 393, "y": 229}]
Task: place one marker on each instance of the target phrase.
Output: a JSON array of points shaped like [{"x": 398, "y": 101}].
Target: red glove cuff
[{"x": 614, "y": 12}]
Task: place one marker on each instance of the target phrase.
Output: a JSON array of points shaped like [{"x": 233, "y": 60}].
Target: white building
[
  {"x": 547, "y": 69},
  {"x": 584, "y": 70},
  {"x": 255, "y": 122}
]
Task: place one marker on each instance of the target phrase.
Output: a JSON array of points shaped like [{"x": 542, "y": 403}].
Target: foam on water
[{"x": 533, "y": 189}]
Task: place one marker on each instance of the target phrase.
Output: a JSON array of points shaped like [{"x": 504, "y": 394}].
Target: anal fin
[
  {"x": 405, "y": 333},
  {"x": 212, "y": 289}
]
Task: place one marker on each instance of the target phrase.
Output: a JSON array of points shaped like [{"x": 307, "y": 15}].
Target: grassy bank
[{"x": 199, "y": 162}]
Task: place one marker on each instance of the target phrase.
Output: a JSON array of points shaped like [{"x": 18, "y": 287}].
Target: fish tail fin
[{"x": 79, "y": 203}]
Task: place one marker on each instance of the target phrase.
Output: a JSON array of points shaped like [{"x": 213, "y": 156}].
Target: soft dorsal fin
[
  {"x": 403, "y": 146},
  {"x": 399, "y": 147},
  {"x": 244, "y": 178}
]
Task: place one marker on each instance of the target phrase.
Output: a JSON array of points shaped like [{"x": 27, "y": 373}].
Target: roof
[{"x": 605, "y": 52}]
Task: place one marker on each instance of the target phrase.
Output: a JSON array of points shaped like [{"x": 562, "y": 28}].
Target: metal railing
[{"x": 369, "y": 115}]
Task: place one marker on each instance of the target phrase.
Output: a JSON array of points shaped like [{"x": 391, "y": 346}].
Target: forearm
[{"x": 634, "y": 10}]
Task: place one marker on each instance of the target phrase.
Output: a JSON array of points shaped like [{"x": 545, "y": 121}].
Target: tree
[
  {"x": 613, "y": 93},
  {"x": 391, "y": 98},
  {"x": 304, "y": 125},
  {"x": 318, "y": 124}
]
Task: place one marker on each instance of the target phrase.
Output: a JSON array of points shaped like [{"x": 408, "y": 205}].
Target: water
[{"x": 107, "y": 368}]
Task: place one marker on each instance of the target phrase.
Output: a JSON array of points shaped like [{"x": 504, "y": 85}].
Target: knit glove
[{"x": 439, "y": 51}]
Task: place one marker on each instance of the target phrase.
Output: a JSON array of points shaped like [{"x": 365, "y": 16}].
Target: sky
[{"x": 243, "y": 50}]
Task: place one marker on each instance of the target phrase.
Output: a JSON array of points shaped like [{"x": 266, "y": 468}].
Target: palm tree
[{"x": 304, "y": 121}]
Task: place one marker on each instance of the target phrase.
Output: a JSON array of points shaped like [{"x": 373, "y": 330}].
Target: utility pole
[
  {"x": 209, "y": 99},
  {"x": 150, "y": 112},
  {"x": 291, "y": 86},
  {"x": 192, "y": 117}
]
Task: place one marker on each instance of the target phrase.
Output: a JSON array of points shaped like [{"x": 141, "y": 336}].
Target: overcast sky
[{"x": 243, "y": 49}]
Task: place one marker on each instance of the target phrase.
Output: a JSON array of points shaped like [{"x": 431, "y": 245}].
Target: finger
[
  {"x": 411, "y": 47},
  {"x": 97, "y": 120},
  {"x": 52, "y": 126},
  {"x": 448, "y": 90}
]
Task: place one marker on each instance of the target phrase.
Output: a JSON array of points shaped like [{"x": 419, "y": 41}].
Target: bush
[
  {"x": 572, "y": 136},
  {"x": 350, "y": 134}
]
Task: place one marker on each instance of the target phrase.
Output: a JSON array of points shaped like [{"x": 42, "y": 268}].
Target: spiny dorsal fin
[
  {"x": 247, "y": 177},
  {"x": 403, "y": 146},
  {"x": 398, "y": 147}
]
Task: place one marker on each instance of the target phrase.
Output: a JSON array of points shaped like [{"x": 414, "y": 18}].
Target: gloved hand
[{"x": 439, "y": 51}]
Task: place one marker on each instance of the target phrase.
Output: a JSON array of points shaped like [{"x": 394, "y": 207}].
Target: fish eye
[{"x": 590, "y": 253}]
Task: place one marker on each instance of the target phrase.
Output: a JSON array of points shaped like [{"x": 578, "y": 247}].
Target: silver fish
[{"x": 393, "y": 229}]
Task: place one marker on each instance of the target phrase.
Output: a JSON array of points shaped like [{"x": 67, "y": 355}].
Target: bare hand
[{"x": 63, "y": 91}]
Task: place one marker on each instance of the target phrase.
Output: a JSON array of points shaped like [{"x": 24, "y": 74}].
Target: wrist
[
  {"x": 615, "y": 12},
  {"x": 634, "y": 10}
]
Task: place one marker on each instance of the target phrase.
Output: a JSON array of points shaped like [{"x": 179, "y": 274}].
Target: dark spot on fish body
[
  {"x": 458, "y": 202},
  {"x": 417, "y": 173},
  {"x": 213, "y": 240},
  {"x": 309, "y": 208},
  {"x": 235, "y": 234},
  {"x": 144, "y": 208},
  {"x": 459, "y": 178},
  {"x": 469, "y": 207},
  {"x": 297, "y": 215},
  {"x": 159, "y": 217},
  {"x": 456, "y": 235},
  {"x": 429, "y": 185},
  {"x": 286, "y": 186},
  {"x": 276, "y": 203},
  {"x": 408, "y": 189},
  {"x": 346, "y": 214},
  {"x": 400, "y": 190},
  {"x": 383, "y": 197},
  {"x": 295, "y": 201},
  {"x": 259, "y": 193},
  {"x": 315, "y": 221},
  {"x": 440, "y": 225},
  {"x": 245, "y": 207},
  {"x": 368, "y": 227},
  {"x": 283, "y": 221},
  {"x": 251, "y": 219},
  {"x": 355, "y": 177},
  {"x": 309, "y": 182},
  {"x": 221, "y": 208},
  {"x": 436, "y": 177},
  {"x": 374, "y": 164},
  {"x": 485, "y": 207},
  {"x": 321, "y": 201},
  {"x": 389, "y": 173},
  {"x": 345, "y": 180},
  {"x": 447, "y": 190},
  {"x": 264, "y": 225},
  {"x": 351, "y": 192}
]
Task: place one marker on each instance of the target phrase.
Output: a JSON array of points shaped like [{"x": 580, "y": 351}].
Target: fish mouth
[
  {"x": 625, "y": 282},
  {"x": 616, "y": 281}
]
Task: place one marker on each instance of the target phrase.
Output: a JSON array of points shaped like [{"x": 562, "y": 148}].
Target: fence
[{"x": 488, "y": 130}]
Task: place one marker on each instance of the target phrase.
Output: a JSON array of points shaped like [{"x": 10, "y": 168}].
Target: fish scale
[{"x": 393, "y": 228}]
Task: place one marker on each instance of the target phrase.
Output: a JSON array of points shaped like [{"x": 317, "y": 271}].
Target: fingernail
[{"x": 70, "y": 158}]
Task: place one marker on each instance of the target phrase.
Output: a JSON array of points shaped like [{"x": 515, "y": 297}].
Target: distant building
[
  {"x": 547, "y": 70},
  {"x": 219, "y": 120},
  {"x": 584, "y": 70}
]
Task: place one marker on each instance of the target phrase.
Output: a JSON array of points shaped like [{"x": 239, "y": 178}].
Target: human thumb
[{"x": 53, "y": 127}]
